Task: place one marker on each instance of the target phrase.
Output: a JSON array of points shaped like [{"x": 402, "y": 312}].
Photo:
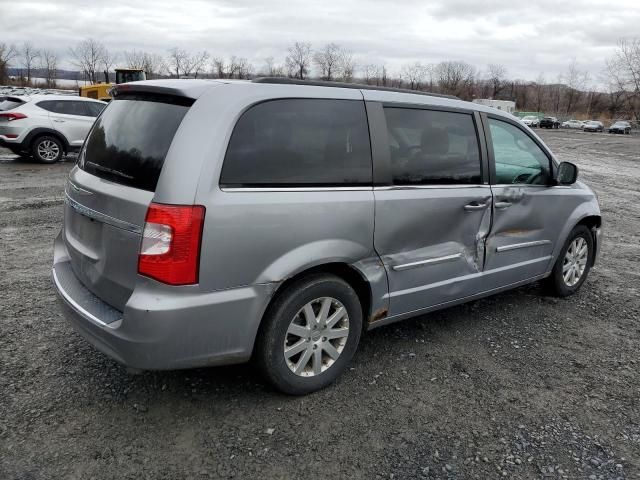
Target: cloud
[{"x": 527, "y": 37}]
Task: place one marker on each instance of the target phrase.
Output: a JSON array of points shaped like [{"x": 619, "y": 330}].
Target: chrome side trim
[
  {"x": 67, "y": 298},
  {"x": 296, "y": 189},
  {"x": 515, "y": 246},
  {"x": 429, "y": 261},
  {"x": 427, "y": 187},
  {"x": 89, "y": 212}
]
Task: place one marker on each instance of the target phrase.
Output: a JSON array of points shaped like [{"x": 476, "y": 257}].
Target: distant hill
[{"x": 40, "y": 72}]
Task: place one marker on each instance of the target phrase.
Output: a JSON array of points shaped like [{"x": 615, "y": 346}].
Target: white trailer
[{"x": 504, "y": 105}]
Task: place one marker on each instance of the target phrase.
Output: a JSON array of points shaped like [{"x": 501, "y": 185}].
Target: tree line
[{"x": 614, "y": 92}]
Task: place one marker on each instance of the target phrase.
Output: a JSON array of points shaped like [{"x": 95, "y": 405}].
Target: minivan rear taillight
[
  {"x": 170, "y": 250},
  {"x": 10, "y": 116}
]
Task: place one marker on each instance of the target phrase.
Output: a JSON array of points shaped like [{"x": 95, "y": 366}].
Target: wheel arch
[
  {"x": 40, "y": 132},
  {"x": 351, "y": 274}
]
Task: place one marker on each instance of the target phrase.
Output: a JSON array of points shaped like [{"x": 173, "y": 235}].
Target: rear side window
[
  {"x": 130, "y": 140},
  {"x": 66, "y": 107},
  {"x": 94, "y": 108},
  {"x": 9, "y": 103},
  {"x": 430, "y": 147},
  {"x": 299, "y": 142}
]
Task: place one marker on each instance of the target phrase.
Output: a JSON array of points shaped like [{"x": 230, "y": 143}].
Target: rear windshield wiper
[{"x": 110, "y": 170}]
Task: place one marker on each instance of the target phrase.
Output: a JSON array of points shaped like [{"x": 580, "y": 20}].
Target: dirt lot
[{"x": 518, "y": 385}]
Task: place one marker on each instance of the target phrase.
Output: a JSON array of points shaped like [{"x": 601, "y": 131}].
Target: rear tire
[
  {"x": 47, "y": 149},
  {"x": 573, "y": 264},
  {"x": 299, "y": 350}
]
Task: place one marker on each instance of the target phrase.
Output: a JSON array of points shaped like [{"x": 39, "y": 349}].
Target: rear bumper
[
  {"x": 164, "y": 328},
  {"x": 12, "y": 143}
]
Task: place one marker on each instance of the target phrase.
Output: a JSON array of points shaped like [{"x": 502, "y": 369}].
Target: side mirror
[{"x": 567, "y": 173}]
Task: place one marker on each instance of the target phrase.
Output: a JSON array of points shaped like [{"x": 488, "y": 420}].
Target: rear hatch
[{"x": 109, "y": 191}]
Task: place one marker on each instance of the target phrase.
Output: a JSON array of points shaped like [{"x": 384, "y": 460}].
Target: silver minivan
[{"x": 214, "y": 222}]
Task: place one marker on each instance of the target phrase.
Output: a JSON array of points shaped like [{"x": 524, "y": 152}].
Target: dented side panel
[
  {"x": 427, "y": 239},
  {"x": 529, "y": 226}
]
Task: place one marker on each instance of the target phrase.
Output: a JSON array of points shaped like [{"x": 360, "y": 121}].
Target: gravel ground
[{"x": 518, "y": 385}]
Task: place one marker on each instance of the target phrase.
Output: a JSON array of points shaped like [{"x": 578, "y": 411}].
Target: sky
[{"x": 527, "y": 37}]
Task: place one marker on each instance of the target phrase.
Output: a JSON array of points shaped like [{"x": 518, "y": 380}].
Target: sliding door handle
[{"x": 502, "y": 205}]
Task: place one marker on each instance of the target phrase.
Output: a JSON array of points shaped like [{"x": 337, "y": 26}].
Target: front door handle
[
  {"x": 470, "y": 207},
  {"x": 502, "y": 205}
]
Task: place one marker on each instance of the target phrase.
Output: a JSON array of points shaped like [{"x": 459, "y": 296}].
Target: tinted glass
[
  {"x": 518, "y": 158},
  {"x": 9, "y": 103},
  {"x": 432, "y": 148},
  {"x": 66, "y": 107},
  {"x": 130, "y": 140},
  {"x": 94, "y": 108},
  {"x": 298, "y": 142}
]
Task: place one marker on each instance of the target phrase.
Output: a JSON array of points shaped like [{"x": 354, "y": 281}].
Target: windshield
[
  {"x": 129, "y": 76},
  {"x": 130, "y": 140}
]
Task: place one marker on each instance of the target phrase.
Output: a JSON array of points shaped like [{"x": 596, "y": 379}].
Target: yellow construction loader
[{"x": 100, "y": 91}]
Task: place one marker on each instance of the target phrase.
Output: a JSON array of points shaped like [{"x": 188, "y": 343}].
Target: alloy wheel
[
  {"x": 48, "y": 150},
  {"x": 575, "y": 261},
  {"x": 316, "y": 336}
]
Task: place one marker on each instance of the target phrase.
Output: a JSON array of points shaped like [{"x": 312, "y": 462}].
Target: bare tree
[
  {"x": 327, "y": 60},
  {"x": 576, "y": 81},
  {"x": 539, "y": 87},
  {"x": 87, "y": 56},
  {"x": 346, "y": 66},
  {"x": 151, "y": 63},
  {"x": 134, "y": 58},
  {"x": 195, "y": 63},
  {"x": 413, "y": 74},
  {"x": 624, "y": 69},
  {"x": 218, "y": 67},
  {"x": 272, "y": 69},
  {"x": 496, "y": 74},
  {"x": 239, "y": 67},
  {"x": 49, "y": 63},
  {"x": 7, "y": 53},
  {"x": 455, "y": 77},
  {"x": 369, "y": 73},
  {"x": 29, "y": 54},
  {"x": 154, "y": 65},
  {"x": 556, "y": 93},
  {"x": 177, "y": 61},
  {"x": 298, "y": 60},
  {"x": 107, "y": 61}
]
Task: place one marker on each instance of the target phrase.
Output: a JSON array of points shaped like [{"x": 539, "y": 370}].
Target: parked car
[
  {"x": 549, "y": 122},
  {"x": 620, "y": 127},
  {"x": 46, "y": 126},
  {"x": 575, "y": 124},
  {"x": 531, "y": 121},
  {"x": 593, "y": 126},
  {"x": 211, "y": 222}
]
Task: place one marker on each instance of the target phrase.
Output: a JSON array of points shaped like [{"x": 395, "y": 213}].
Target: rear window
[
  {"x": 299, "y": 142},
  {"x": 130, "y": 140},
  {"x": 9, "y": 103}
]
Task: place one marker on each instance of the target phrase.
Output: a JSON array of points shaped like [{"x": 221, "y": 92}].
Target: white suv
[{"x": 46, "y": 126}]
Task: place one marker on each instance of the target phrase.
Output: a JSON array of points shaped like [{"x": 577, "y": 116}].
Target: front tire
[
  {"x": 47, "y": 149},
  {"x": 309, "y": 334},
  {"x": 573, "y": 264}
]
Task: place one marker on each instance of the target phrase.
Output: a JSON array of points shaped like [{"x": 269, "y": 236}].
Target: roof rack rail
[{"x": 358, "y": 86}]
